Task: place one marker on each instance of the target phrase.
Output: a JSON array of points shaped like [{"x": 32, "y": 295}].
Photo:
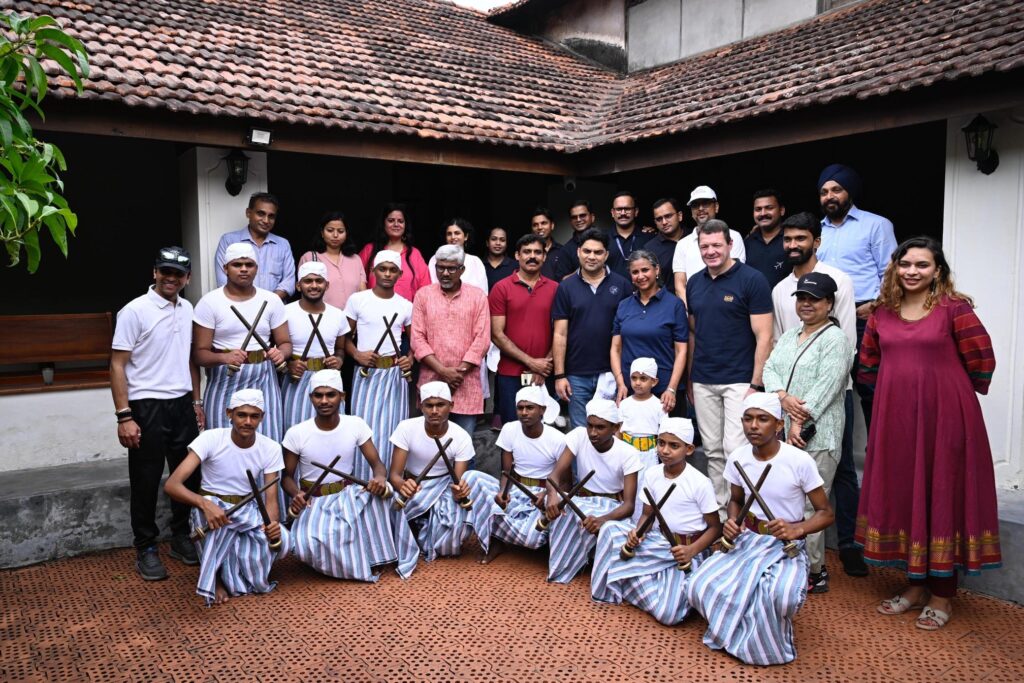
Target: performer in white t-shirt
[
  {"x": 642, "y": 413},
  {"x": 235, "y": 554}
]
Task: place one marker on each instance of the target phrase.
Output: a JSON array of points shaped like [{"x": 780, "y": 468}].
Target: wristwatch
[{"x": 757, "y": 387}]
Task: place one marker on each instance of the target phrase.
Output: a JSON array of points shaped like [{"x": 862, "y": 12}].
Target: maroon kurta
[{"x": 928, "y": 502}]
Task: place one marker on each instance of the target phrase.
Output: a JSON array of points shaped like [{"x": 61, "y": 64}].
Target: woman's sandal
[
  {"x": 897, "y": 605},
  {"x": 932, "y": 619}
]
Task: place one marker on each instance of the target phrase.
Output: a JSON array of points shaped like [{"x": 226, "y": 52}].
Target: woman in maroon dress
[{"x": 928, "y": 503}]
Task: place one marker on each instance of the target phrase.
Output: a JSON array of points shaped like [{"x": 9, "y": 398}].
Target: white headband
[
  {"x": 387, "y": 256},
  {"x": 678, "y": 426},
  {"x": 538, "y": 395},
  {"x": 326, "y": 378},
  {"x": 312, "y": 268},
  {"x": 645, "y": 366},
  {"x": 435, "y": 390},
  {"x": 239, "y": 250},
  {"x": 766, "y": 401},
  {"x": 604, "y": 409},
  {"x": 247, "y": 397}
]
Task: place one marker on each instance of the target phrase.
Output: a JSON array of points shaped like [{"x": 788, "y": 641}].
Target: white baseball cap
[{"x": 702, "y": 192}]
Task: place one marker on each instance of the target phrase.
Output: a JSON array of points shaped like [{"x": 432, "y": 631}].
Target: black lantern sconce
[
  {"x": 979, "y": 133},
  {"x": 238, "y": 172}
]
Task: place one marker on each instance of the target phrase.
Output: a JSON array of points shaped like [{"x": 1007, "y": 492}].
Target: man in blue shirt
[
  {"x": 857, "y": 242},
  {"x": 730, "y": 307},
  {"x": 581, "y": 218},
  {"x": 542, "y": 224},
  {"x": 764, "y": 243},
  {"x": 584, "y": 308},
  {"x": 274, "y": 257},
  {"x": 668, "y": 219},
  {"x": 626, "y": 236}
]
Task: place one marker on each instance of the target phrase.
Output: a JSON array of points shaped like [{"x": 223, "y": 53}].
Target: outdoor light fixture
[
  {"x": 978, "y": 134},
  {"x": 238, "y": 172},
  {"x": 259, "y": 137}
]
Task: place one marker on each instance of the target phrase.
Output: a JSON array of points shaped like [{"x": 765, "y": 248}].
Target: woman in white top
[{"x": 459, "y": 232}]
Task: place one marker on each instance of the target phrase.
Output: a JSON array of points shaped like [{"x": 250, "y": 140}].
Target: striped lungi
[
  {"x": 346, "y": 534},
  {"x": 296, "y": 405},
  {"x": 446, "y": 526},
  {"x": 260, "y": 376},
  {"x": 570, "y": 544},
  {"x": 517, "y": 523},
  {"x": 648, "y": 459},
  {"x": 749, "y": 597},
  {"x": 237, "y": 554},
  {"x": 382, "y": 399},
  {"x": 650, "y": 580}
]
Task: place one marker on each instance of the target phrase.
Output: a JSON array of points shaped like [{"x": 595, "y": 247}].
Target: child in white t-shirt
[{"x": 642, "y": 412}]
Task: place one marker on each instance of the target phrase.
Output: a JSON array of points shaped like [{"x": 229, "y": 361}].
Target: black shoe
[
  {"x": 147, "y": 562},
  {"x": 184, "y": 550},
  {"x": 853, "y": 561},
  {"x": 818, "y": 583}
]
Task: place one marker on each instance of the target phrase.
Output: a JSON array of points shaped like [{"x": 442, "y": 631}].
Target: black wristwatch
[{"x": 757, "y": 387}]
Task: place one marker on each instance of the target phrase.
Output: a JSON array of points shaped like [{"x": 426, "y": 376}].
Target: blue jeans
[
  {"x": 467, "y": 422},
  {"x": 844, "y": 485},
  {"x": 506, "y": 387},
  {"x": 583, "y": 389}
]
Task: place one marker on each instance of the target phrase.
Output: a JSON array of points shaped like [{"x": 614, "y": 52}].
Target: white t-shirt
[
  {"x": 369, "y": 311},
  {"x": 475, "y": 274},
  {"x": 641, "y": 418},
  {"x": 610, "y": 468},
  {"x": 784, "y": 304},
  {"x": 224, "y": 463},
  {"x": 693, "y": 497},
  {"x": 793, "y": 476},
  {"x": 687, "y": 255},
  {"x": 411, "y": 435},
  {"x": 311, "y": 443},
  {"x": 333, "y": 324},
  {"x": 214, "y": 312},
  {"x": 159, "y": 336},
  {"x": 534, "y": 458}
]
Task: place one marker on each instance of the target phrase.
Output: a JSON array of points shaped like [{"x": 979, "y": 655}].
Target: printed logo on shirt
[
  {"x": 728, "y": 298},
  {"x": 613, "y": 290},
  {"x": 779, "y": 264}
]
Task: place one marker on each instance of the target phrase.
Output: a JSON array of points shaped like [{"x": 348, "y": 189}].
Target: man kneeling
[{"x": 234, "y": 552}]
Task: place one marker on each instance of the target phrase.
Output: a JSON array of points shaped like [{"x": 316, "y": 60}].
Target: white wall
[{"x": 983, "y": 235}]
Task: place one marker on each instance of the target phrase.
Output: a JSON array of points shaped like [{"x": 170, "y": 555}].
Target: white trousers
[{"x": 719, "y": 410}]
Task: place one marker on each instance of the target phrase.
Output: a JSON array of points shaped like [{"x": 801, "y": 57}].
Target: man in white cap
[
  {"x": 441, "y": 512},
  {"x": 529, "y": 450},
  {"x": 311, "y": 351},
  {"x": 343, "y": 530},
  {"x": 274, "y": 254},
  {"x": 377, "y": 316},
  {"x": 687, "y": 262},
  {"x": 219, "y": 334},
  {"x": 235, "y": 554},
  {"x": 750, "y": 595},
  {"x": 609, "y": 494},
  {"x": 157, "y": 403}
]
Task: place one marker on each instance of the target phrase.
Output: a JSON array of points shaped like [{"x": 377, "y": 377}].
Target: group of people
[{"x": 639, "y": 334}]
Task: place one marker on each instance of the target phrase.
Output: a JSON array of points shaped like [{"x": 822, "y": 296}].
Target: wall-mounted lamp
[
  {"x": 238, "y": 172},
  {"x": 259, "y": 137},
  {"x": 979, "y": 133}
]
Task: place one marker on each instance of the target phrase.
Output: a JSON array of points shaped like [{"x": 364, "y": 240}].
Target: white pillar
[
  {"x": 208, "y": 211},
  {"x": 983, "y": 237}
]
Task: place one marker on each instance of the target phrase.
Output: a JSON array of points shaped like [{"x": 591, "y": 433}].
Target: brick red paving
[{"x": 92, "y": 619}]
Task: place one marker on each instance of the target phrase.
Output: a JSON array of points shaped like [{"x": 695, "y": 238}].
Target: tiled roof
[{"x": 431, "y": 69}]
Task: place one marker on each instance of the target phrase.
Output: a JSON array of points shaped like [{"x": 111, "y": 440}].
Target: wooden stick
[
  {"x": 626, "y": 552},
  {"x": 309, "y": 342},
  {"x": 728, "y": 545},
  {"x": 402, "y": 502},
  {"x": 464, "y": 503},
  {"x": 789, "y": 547},
  {"x": 232, "y": 369},
  {"x": 319, "y": 480},
  {"x": 247, "y": 498},
  {"x": 544, "y": 522},
  {"x": 508, "y": 484},
  {"x": 351, "y": 478},
  {"x": 282, "y": 366},
  {"x": 673, "y": 539},
  {"x": 363, "y": 370},
  {"x": 258, "y": 497},
  {"x": 567, "y": 500}
]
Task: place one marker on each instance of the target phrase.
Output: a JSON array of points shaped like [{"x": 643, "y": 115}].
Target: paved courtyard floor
[{"x": 92, "y": 619}]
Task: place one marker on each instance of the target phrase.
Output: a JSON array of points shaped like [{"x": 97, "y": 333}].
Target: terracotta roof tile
[{"x": 434, "y": 70}]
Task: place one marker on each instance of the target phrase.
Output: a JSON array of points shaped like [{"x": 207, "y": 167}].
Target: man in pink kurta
[{"x": 451, "y": 332}]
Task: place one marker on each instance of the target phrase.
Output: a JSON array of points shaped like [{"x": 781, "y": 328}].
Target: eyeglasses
[{"x": 448, "y": 269}]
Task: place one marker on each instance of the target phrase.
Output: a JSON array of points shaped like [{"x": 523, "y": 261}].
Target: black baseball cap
[
  {"x": 818, "y": 285},
  {"x": 174, "y": 257}
]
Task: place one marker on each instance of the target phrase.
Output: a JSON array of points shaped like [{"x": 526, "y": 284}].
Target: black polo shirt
[
  {"x": 665, "y": 250},
  {"x": 590, "y": 315},
  {"x": 507, "y": 267},
  {"x": 619, "y": 249},
  {"x": 768, "y": 258}
]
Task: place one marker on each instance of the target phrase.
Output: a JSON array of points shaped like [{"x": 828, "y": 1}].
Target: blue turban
[{"x": 845, "y": 176}]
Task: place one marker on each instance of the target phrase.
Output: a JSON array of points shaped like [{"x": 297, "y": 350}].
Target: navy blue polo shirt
[
  {"x": 590, "y": 315},
  {"x": 652, "y": 331},
  {"x": 768, "y": 258},
  {"x": 619, "y": 248},
  {"x": 665, "y": 250},
  {"x": 551, "y": 261},
  {"x": 721, "y": 308}
]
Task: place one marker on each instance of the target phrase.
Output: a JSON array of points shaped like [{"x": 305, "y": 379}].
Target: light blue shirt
[
  {"x": 861, "y": 247},
  {"x": 274, "y": 258}
]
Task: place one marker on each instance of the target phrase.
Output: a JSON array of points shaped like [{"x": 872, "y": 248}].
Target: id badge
[{"x": 525, "y": 379}]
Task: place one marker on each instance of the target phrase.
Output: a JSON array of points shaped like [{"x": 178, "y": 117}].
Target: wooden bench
[{"x": 44, "y": 340}]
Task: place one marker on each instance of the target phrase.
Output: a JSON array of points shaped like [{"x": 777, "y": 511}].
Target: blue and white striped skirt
[
  {"x": 296, "y": 406},
  {"x": 260, "y": 376},
  {"x": 346, "y": 534},
  {"x": 649, "y": 459},
  {"x": 382, "y": 399},
  {"x": 749, "y": 597},
  {"x": 650, "y": 580},
  {"x": 570, "y": 544},
  {"x": 517, "y": 523},
  {"x": 238, "y": 554}
]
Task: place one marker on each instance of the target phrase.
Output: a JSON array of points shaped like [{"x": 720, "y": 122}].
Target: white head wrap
[
  {"x": 606, "y": 386},
  {"x": 679, "y": 426},
  {"x": 312, "y": 268},
  {"x": 435, "y": 390},
  {"x": 326, "y": 378},
  {"x": 766, "y": 401},
  {"x": 538, "y": 395},
  {"x": 604, "y": 409},
  {"x": 387, "y": 256},
  {"x": 239, "y": 250},
  {"x": 247, "y": 397},
  {"x": 645, "y": 366}
]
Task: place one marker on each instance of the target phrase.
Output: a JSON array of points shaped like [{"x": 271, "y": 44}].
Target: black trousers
[{"x": 168, "y": 427}]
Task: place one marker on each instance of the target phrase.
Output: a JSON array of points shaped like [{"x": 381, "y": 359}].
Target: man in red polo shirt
[{"x": 521, "y": 325}]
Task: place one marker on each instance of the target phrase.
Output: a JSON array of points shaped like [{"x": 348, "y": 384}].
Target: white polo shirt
[
  {"x": 159, "y": 336},
  {"x": 610, "y": 468},
  {"x": 692, "y": 498},
  {"x": 311, "y": 444},
  {"x": 411, "y": 435},
  {"x": 369, "y": 311},
  {"x": 333, "y": 324},
  {"x": 533, "y": 458},
  {"x": 214, "y": 312},
  {"x": 687, "y": 256},
  {"x": 224, "y": 463}
]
